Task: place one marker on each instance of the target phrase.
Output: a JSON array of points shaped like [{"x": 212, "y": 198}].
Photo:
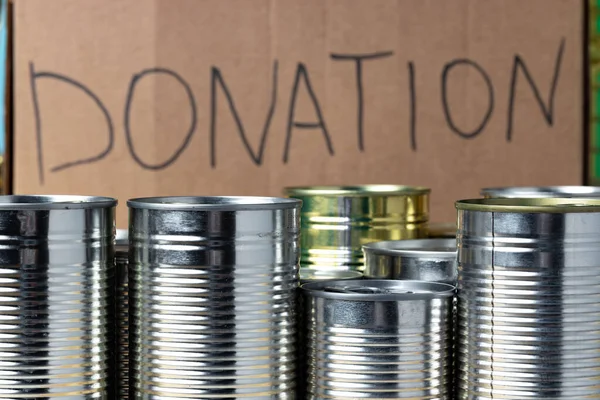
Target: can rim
[
  {"x": 531, "y": 205},
  {"x": 542, "y": 191},
  {"x": 311, "y": 274},
  {"x": 213, "y": 203},
  {"x": 426, "y": 290},
  {"x": 438, "y": 248},
  {"x": 356, "y": 190},
  {"x": 122, "y": 237},
  {"x": 54, "y": 202}
]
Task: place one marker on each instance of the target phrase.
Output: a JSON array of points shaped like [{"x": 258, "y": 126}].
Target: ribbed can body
[
  {"x": 56, "y": 281},
  {"x": 122, "y": 314},
  {"x": 337, "y": 221},
  {"x": 213, "y": 289},
  {"x": 308, "y": 275},
  {"x": 379, "y": 340},
  {"x": 528, "y": 309}
]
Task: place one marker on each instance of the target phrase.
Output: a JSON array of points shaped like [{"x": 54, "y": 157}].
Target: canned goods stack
[
  {"x": 56, "y": 271},
  {"x": 429, "y": 260},
  {"x": 213, "y": 289},
  {"x": 337, "y": 221},
  {"x": 122, "y": 314},
  {"x": 528, "y": 295},
  {"x": 379, "y": 339}
]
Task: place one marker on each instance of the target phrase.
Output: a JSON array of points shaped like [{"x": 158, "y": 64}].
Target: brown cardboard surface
[{"x": 237, "y": 97}]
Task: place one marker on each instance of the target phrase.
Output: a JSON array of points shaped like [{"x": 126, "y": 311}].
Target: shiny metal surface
[
  {"x": 528, "y": 299},
  {"x": 122, "y": 313},
  {"x": 213, "y": 289},
  {"x": 314, "y": 274},
  {"x": 56, "y": 272},
  {"x": 338, "y": 220},
  {"x": 379, "y": 339},
  {"x": 308, "y": 275},
  {"x": 541, "y": 192},
  {"x": 431, "y": 260}
]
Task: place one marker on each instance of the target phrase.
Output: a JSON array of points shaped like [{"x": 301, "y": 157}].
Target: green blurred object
[
  {"x": 594, "y": 95},
  {"x": 337, "y": 220}
]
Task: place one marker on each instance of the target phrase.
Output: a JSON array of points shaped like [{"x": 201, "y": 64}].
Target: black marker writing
[
  {"x": 33, "y": 76},
  {"x": 447, "y": 68},
  {"x": 301, "y": 73},
  {"x": 358, "y": 64},
  {"x": 126, "y": 124},
  {"x": 216, "y": 77},
  {"x": 548, "y": 110}
]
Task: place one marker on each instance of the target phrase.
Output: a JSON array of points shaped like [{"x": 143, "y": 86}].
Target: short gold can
[{"x": 338, "y": 220}]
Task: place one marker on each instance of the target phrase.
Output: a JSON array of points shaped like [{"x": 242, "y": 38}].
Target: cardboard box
[{"x": 237, "y": 97}]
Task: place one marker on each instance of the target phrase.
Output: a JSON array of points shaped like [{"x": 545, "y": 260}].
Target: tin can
[
  {"x": 56, "y": 280},
  {"x": 589, "y": 192},
  {"x": 431, "y": 260},
  {"x": 528, "y": 306},
  {"x": 213, "y": 285},
  {"x": 442, "y": 230},
  {"x": 122, "y": 313},
  {"x": 379, "y": 339},
  {"x": 338, "y": 220}
]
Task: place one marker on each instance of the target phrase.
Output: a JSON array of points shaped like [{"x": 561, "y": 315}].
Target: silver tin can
[
  {"x": 528, "y": 299},
  {"x": 431, "y": 260},
  {"x": 589, "y": 192},
  {"x": 122, "y": 313},
  {"x": 56, "y": 272},
  {"x": 379, "y": 339},
  {"x": 213, "y": 285}
]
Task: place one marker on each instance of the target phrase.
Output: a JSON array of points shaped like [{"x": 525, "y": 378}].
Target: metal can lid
[
  {"x": 213, "y": 203},
  {"x": 357, "y": 190},
  {"x": 438, "y": 248},
  {"x": 378, "y": 290},
  {"x": 314, "y": 274},
  {"x": 54, "y": 202},
  {"x": 542, "y": 191},
  {"x": 531, "y": 205}
]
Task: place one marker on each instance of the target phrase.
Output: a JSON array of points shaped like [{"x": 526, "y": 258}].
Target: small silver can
[
  {"x": 213, "y": 286},
  {"x": 431, "y": 260},
  {"x": 56, "y": 302},
  {"x": 379, "y": 339},
  {"x": 122, "y": 313}
]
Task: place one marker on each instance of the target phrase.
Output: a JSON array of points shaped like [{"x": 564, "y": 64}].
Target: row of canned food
[{"x": 204, "y": 300}]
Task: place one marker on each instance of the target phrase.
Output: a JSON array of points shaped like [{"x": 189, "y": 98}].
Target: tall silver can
[
  {"x": 528, "y": 298},
  {"x": 431, "y": 260},
  {"x": 56, "y": 280},
  {"x": 122, "y": 313},
  {"x": 379, "y": 339},
  {"x": 589, "y": 192},
  {"x": 213, "y": 285}
]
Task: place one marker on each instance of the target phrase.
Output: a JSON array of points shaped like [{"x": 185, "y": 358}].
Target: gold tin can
[{"x": 337, "y": 221}]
